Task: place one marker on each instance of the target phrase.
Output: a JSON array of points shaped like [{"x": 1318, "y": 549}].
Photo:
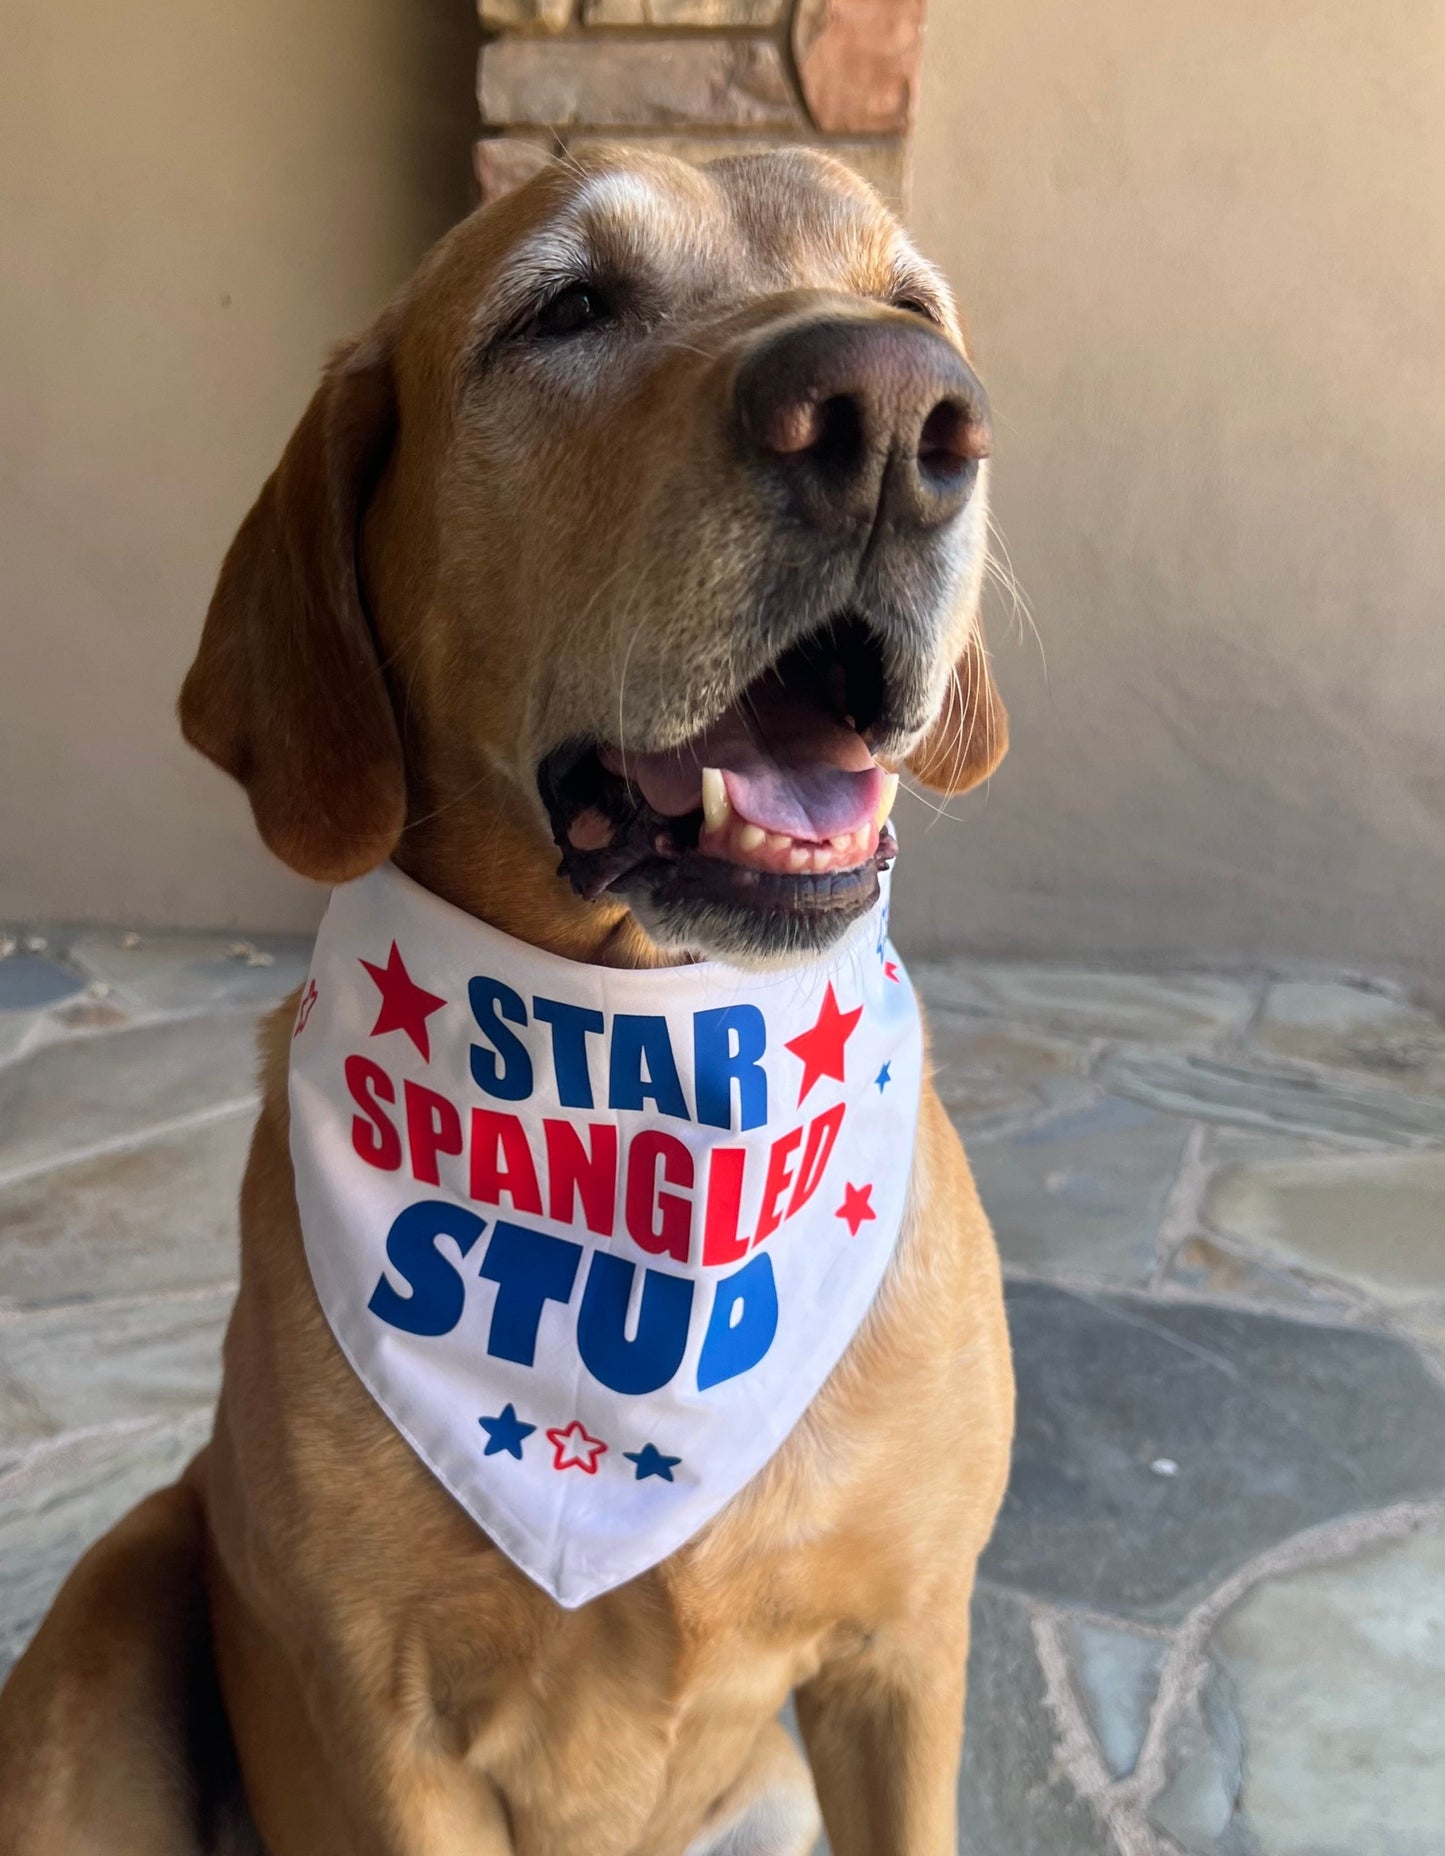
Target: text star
[
  {"x": 820, "y": 1050},
  {"x": 576, "y": 1448},
  {"x": 651, "y": 1462},
  {"x": 505, "y": 1432},
  {"x": 405, "y": 1006},
  {"x": 884, "y": 1077},
  {"x": 857, "y": 1207}
]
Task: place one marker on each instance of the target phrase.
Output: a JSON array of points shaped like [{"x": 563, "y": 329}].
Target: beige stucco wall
[
  {"x": 1203, "y": 249},
  {"x": 196, "y": 198}
]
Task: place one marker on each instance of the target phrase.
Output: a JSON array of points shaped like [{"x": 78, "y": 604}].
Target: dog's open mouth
[{"x": 777, "y": 805}]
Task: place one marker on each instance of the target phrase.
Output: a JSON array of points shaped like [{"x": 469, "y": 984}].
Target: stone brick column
[{"x": 699, "y": 77}]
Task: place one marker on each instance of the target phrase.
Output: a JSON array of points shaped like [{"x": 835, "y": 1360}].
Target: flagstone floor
[{"x": 1213, "y": 1616}]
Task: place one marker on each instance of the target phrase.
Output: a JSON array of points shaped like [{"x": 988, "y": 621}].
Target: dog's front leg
[{"x": 884, "y": 1729}]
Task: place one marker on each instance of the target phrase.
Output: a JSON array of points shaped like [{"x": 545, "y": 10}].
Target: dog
[{"x": 649, "y": 463}]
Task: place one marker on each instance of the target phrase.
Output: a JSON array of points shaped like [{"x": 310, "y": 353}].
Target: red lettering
[
  {"x": 776, "y": 1184},
  {"x": 433, "y": 1127},
  {"x": 375, "y": 1139},
  {"x": 589, "y": 1173},
  {"x": 660, "y": 1222},
  {"x": 822, "y": 1137},
  {"x": 502, "y": 1161},
  {"x": 720, "y": 1240}
]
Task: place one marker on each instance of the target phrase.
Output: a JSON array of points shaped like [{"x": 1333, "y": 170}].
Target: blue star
[
  {"x": 651, "y": 1462},
  {"x": 505, "y": 1432},
  {"x": 884, "y": 1078}
]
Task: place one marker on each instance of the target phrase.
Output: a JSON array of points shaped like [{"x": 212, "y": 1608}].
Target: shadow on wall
[{"x": 198, "y": 202}]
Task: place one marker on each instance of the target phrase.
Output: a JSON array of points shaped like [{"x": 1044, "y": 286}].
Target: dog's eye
[
  {"x": 915, "y": 306},
  {"x": 578, "y": 307}
]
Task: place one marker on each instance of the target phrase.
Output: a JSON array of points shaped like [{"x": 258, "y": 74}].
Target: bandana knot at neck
[{"x": 593, "y": 1239}]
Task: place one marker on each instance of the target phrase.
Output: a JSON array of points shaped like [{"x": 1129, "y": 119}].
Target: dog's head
[{"x": 650, "y": 521}]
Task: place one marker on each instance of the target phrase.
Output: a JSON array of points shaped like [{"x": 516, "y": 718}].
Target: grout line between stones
[
  {"x": 14, "y": 1314},
  {"x": 136, "y": 1138},
  {"x": 46, "y": 1033},
  {"x": 1180, "y": 1217},
  {"x": 1076, "y": 1747},
  {"x": 33, "y": 1456}
]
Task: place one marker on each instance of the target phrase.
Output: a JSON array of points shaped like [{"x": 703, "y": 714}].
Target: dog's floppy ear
[
  {"x": 286, "y": 693},
  {"x": 970, "y": 737}
]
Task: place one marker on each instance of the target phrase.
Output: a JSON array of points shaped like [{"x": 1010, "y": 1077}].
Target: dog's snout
[{"x": 865, "y": 420}]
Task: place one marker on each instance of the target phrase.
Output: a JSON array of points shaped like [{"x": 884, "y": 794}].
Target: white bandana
[{"x": 593, "y": 1240}]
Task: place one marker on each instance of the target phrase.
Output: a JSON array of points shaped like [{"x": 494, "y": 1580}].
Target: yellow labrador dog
[{"x": 647, "y": 460}]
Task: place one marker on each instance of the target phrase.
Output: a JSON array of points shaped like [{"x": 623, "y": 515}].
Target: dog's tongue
[{"x": 788, "y": 766}]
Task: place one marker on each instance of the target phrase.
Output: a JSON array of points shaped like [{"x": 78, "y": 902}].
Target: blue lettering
[
  {"x": 511, "y": 1079},
  {"x": 719, "y": 1064},
  {"x": 635, "y": 1037},
  {"x": 742, "y": 1324},
  {"x": 650, "y": 1359},
  {"x": 570, "y": 1026},
  {"x": 530, "y": 1269},
  {"x": 438, "y": 1293}
]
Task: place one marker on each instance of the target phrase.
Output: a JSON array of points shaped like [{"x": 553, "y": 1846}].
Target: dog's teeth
[
  {"x": 715, "y": 802},
  {"x": 750, "y": 837},
  {"x": 799, "y": 857},
  {"x": 885, "y": 804},
  {"x": 778, "y": 840}
]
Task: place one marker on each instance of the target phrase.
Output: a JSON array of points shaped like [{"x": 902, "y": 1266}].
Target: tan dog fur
[{"x": 393, "y": 1686}]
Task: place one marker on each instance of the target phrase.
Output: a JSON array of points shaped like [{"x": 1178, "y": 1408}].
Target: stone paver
[
  {"x": 1337, "y": 1680},
  {"x": 1264, "y": 1095},
  {"x": 1013, "y": 1798},
  {"x": 58, "y": 1501},
  {"x": 1198, "y": 1804},
  {"x": 1082, "y": 1194},
  {"x": 1117, "y": 1674},
  {"x": 1223, "y": 1201},
  {"x": 1375, "y": 1221},
  {"x": 1368, "y": 1029},
  {"x": 1272, "y": 1426},
  {"x": 180, "y": 973},
  {"x": 1205, "y": 1264},
  {"x": 94, "y": 1091},
  {"x": 1179, "y": 1008},
  {"x": 154, "y": 1217},
  {"x": 994, "y": 1077},
  {"x": 29, "y": 982},
  {"x": 105, "y": 1363}
]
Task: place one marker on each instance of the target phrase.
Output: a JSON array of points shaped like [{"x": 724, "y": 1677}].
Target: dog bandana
[{"x": 593, "y": 1240}]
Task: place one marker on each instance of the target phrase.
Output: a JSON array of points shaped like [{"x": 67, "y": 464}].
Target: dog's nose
[{"x": 865, "y": 421}]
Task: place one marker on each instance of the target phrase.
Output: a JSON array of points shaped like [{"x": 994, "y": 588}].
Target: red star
[
  {"x": 576, "y": 1448},
  {"x": 405, "y": 1006},
  {"x": 821, "y": 1050},
  {"x": 308, "y": 1002},
  {"x": 856, "y": 1208},
  {"x": 890, "y": 972}
]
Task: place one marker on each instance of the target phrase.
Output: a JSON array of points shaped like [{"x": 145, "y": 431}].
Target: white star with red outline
[{"x": 575, "y": 1447}]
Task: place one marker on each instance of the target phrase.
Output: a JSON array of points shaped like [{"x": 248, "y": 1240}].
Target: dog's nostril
[
  {"x": 953, "y": 435},
  {"x": 793, "y": 427},
  {"x": 828, "y": 430}
]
